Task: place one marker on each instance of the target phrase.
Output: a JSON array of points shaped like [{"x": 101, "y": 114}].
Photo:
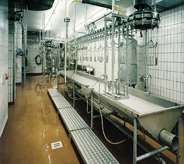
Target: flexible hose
[
  {"x": 70, "y": 3},
  {"x": 36, "y": 60},
  {"x": 113, "y": 143},
  {"x": 119, "y": 9},
  {"x": 71, "y": 43},
  {"x": 87, "y": 105}
]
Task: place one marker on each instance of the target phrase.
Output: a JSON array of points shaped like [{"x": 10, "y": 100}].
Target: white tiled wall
[
  {"x": 33, "y": 51},
  {"x": 18, "y": 58},
  {"x": 3, "y": 64},
  {"x": 167, "y": 77}
]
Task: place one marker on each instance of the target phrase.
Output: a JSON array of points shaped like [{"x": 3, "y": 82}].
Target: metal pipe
[
  {"x": 100, "y": 18},
  {"x": 178, "y": 135},
  {"x": 169, "y": 139},
  {"x": 112, "y": 62},
  {"x": 135, "y": 142},
  {"x": 92, "y": 110},
  {"x": 119, "y": 58},
  {"x": 106, "y": 114},
  {"x": 74, "y": 95},
  {"x": 155, "y": 5},
  {"x": 127, "y": 60},
  {"x": 105, "y": 52},
  {"x": 65, "y": 42},
  {"x": 145, "y": 60},
  {"x": 154, "y": 152}
]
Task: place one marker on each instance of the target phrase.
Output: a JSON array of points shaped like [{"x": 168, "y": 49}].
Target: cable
[
  {"x": 36, "y": 60},
  {"x": 113, "y": 143},
  {"x": 87, "y": 105}
]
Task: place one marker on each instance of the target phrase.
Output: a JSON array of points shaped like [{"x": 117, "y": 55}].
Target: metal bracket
[
  {"x": 107, "y": 19},
  {"x": 119, "y": 15},
  {"x": 104, "y": 114}
]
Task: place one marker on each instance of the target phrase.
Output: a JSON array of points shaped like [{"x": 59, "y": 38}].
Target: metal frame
[{"x": 136, "y": 159}]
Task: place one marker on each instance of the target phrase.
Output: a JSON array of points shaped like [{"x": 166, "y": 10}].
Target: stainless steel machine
[
  {"x": 123, "y": 97},
  {"x": 51, "y": 58}
]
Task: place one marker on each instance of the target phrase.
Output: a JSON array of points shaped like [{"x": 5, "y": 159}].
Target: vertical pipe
[
  {"x": 57, "y": 76},
  {"x": 92, "y": 109},
  {"x": 105, "y": 52},
  {"x": 145, "y": 59},
  {"x": 135, "y": 142},
  {"x": 43, "y": 27},
  {"x": 73, "y": 94},
  {"x": 127, "y": 59},
  {"x": 65, "y": 43},
  {"x": 14, "y": 66},
  {"x": 155, "y": 5},
  {"x": 178, "y": 136},
  {"x": 25, "y": 53},
  {"x": 112, "y": 62},
  {"x": 24, "y": 31},
  {"x": 119, "y": 50}
]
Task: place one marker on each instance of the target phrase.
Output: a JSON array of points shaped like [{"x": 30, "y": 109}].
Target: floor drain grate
[{"x": 56, "y": 145}]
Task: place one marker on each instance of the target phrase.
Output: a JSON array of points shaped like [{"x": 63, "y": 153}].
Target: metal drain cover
[{"x": 56, "y": 145}]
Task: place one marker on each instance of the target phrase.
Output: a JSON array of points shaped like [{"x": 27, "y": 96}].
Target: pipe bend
[{"x": 68, "y": 7}]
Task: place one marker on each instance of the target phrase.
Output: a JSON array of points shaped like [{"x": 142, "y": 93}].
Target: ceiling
[
  {"x": 53, "y": 19},
  {"x": 35, "y": 19}
]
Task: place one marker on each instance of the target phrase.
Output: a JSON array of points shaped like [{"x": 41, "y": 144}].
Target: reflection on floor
[{"x": 33, "y": 125}]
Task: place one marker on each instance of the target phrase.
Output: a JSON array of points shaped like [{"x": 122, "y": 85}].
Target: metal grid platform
[
  {"x": 91, "y": 148},
  {"x": 72, "y": 119},
  {"x": 61, "y": 102},
  {"x": 54, "y": 92}
]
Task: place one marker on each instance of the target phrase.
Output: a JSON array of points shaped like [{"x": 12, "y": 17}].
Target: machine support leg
[
  {"x": 57, "y": 76},
  {"x": 70, "y": 136},
  {"x": 135, "y": 142},
  {"x": 92, "y": 110},
  {"x": 178, "y": 135},
  {"x": 73, "y": 95}
]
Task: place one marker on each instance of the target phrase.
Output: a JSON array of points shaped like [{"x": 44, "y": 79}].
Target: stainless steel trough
[{"x": 155, "y": 115}]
